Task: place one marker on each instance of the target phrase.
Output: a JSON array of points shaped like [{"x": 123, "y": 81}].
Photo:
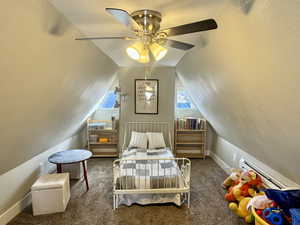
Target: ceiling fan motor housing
[
  {"x": 145, "y": 24},
  {"x": 149, "y": 20}
]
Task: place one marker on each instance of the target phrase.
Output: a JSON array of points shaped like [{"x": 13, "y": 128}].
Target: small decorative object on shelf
[
  {"x": 102, "y": 137},
  {"x": 190, "y": 137}
]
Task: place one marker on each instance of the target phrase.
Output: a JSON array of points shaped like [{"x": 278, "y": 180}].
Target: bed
[{"x": 150, "y": 176}]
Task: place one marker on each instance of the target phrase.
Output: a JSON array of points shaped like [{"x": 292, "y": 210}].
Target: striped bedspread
[{"x": 148, "y": 169}]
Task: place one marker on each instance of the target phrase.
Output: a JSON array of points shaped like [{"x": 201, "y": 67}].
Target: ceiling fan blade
[
  {"x": 123, "y": 17},
  {"x": 178, "y": 44},
  {"x": 203, "y": 25},
  {"x": 103, "y": 38}
]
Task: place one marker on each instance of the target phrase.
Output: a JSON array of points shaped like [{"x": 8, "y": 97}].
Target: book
[{"x": 190, "y": 123}]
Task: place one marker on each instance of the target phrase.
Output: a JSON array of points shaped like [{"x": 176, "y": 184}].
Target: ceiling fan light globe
[
  {"x": 144, "y": 57},
  {"x": 158, "y": 51},
  {"x": 133, "y": 53}
]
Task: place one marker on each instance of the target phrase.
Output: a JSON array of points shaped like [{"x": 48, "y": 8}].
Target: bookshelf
[
  {"x": 190, "y": 137},
  {"x": 102, "y": 138}
]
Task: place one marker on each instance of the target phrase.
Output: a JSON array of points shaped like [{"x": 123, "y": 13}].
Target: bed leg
[
  {"x": 189, "y": 199},
  {"x": 114, "y": 202},
  {"x": 117, "y": 201}
]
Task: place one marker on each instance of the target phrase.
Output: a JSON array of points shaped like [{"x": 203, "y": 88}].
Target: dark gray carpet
[{"x": 94, "y": 207}]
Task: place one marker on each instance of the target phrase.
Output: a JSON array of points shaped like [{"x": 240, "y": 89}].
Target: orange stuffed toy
[
  {"x": 248, "y": 180},
  {"x": 256, "y": 181}
]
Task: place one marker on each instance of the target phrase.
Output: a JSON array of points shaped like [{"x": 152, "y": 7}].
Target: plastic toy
[
  {"x": 259, "y": 212},
  {"x": 241, "y": 209},
  {"x": 274, "y": 216}
]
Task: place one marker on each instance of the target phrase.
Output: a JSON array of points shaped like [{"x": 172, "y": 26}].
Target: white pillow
[
  {"x": 156, "y": 140},
  {"x": 138, "y": 140}
]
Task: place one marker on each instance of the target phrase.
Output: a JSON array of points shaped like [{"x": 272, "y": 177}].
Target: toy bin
[
  {"x": 258, "y": 219},
  {"x": 50, "y": 193}
]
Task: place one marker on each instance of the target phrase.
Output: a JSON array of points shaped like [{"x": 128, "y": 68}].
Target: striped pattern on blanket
[{"x": 151, "y": 172}]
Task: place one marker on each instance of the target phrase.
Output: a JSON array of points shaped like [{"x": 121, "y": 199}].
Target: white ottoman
[{"x": 50, "y": 193}]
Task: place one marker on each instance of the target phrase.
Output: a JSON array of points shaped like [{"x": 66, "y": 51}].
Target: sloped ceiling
[
  {"x": 48, "y": 81},
  {"x": 245, "y": 79},
  {"x": 90, "y": 17}
]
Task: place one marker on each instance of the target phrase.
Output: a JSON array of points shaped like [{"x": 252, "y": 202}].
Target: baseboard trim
[
  {"x": 17, "y": 208},
  {"x": 220, "y": 162},
  {"x": 263, "y": 167}
]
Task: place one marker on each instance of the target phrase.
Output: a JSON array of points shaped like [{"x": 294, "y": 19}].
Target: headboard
[{"x": 162, "y": 127}]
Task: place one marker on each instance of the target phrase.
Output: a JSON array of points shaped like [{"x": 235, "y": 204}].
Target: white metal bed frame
[{"x": 183, "y": 166}]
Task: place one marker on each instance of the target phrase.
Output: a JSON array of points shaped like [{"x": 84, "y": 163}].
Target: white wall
[
  {"x": 228, "y": 156},
  {"x": 244, "y": 78},
  {"x": 16, "y": 183},
  {"x": 49, "y": 84},
  {"x": 48, "y": 81},
  {"x": 166, "y": 77}
]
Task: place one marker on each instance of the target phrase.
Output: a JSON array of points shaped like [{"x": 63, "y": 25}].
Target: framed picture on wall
[{"x": 146, "y": 96}]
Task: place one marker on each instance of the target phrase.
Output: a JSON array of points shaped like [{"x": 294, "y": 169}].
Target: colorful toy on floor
[
  {"x": 274, "y": 216},
  {"x": 232, "y": 179},
  {"x": 260, "y": 202},
  {"x": 259, "y": 212},
  {"x": 241, "y": 209},
  {"x": 286, "y": 199},
  {"x": 256, "y": 181},
  {"x": 245, "y": 187}
]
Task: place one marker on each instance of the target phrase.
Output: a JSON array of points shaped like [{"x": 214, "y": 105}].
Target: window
[
  {"x": 183, "y": 101},
  {"x": 108, "y": 101}
]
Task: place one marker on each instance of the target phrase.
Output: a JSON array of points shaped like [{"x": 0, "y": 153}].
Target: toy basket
[{"x": 258, "y": 219}]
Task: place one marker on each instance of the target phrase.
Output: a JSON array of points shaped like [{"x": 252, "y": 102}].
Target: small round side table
[{"x": 70, "y": 157}]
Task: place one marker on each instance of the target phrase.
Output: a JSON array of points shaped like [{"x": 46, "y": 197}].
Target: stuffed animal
[
  {"x": 260, "y": 201},
  {"x": 241, "y": 209},
  {"x": 232, "y": 179},
  {"x": 256, "y": 181},
  {"x": 243, "y": 188}
]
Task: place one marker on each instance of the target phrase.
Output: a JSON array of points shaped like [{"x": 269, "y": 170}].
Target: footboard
[{"x": 151, "y": 176}]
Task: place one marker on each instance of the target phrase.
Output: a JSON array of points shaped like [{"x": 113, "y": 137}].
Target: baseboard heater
[{"x": 268, "y": 180}]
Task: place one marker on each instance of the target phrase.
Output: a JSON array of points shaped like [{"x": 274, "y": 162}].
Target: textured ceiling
[{"x": 90, "y": 17}]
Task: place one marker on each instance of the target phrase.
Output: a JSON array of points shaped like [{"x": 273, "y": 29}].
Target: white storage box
[{"x": 50, "y": 193}]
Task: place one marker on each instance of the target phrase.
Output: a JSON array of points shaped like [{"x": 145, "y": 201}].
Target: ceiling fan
[{"x": 149, "y": 38}]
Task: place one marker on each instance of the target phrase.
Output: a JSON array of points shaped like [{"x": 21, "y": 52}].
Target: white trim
[
  {"x": 238, "y": 154},
  {"x": 263, "y": 167},
  {"x": 267, "y": 170},
  {"x": 17, "y": 208},
  {"x": 14, "y": 179},
  {"x": 220, "y": 162}
]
